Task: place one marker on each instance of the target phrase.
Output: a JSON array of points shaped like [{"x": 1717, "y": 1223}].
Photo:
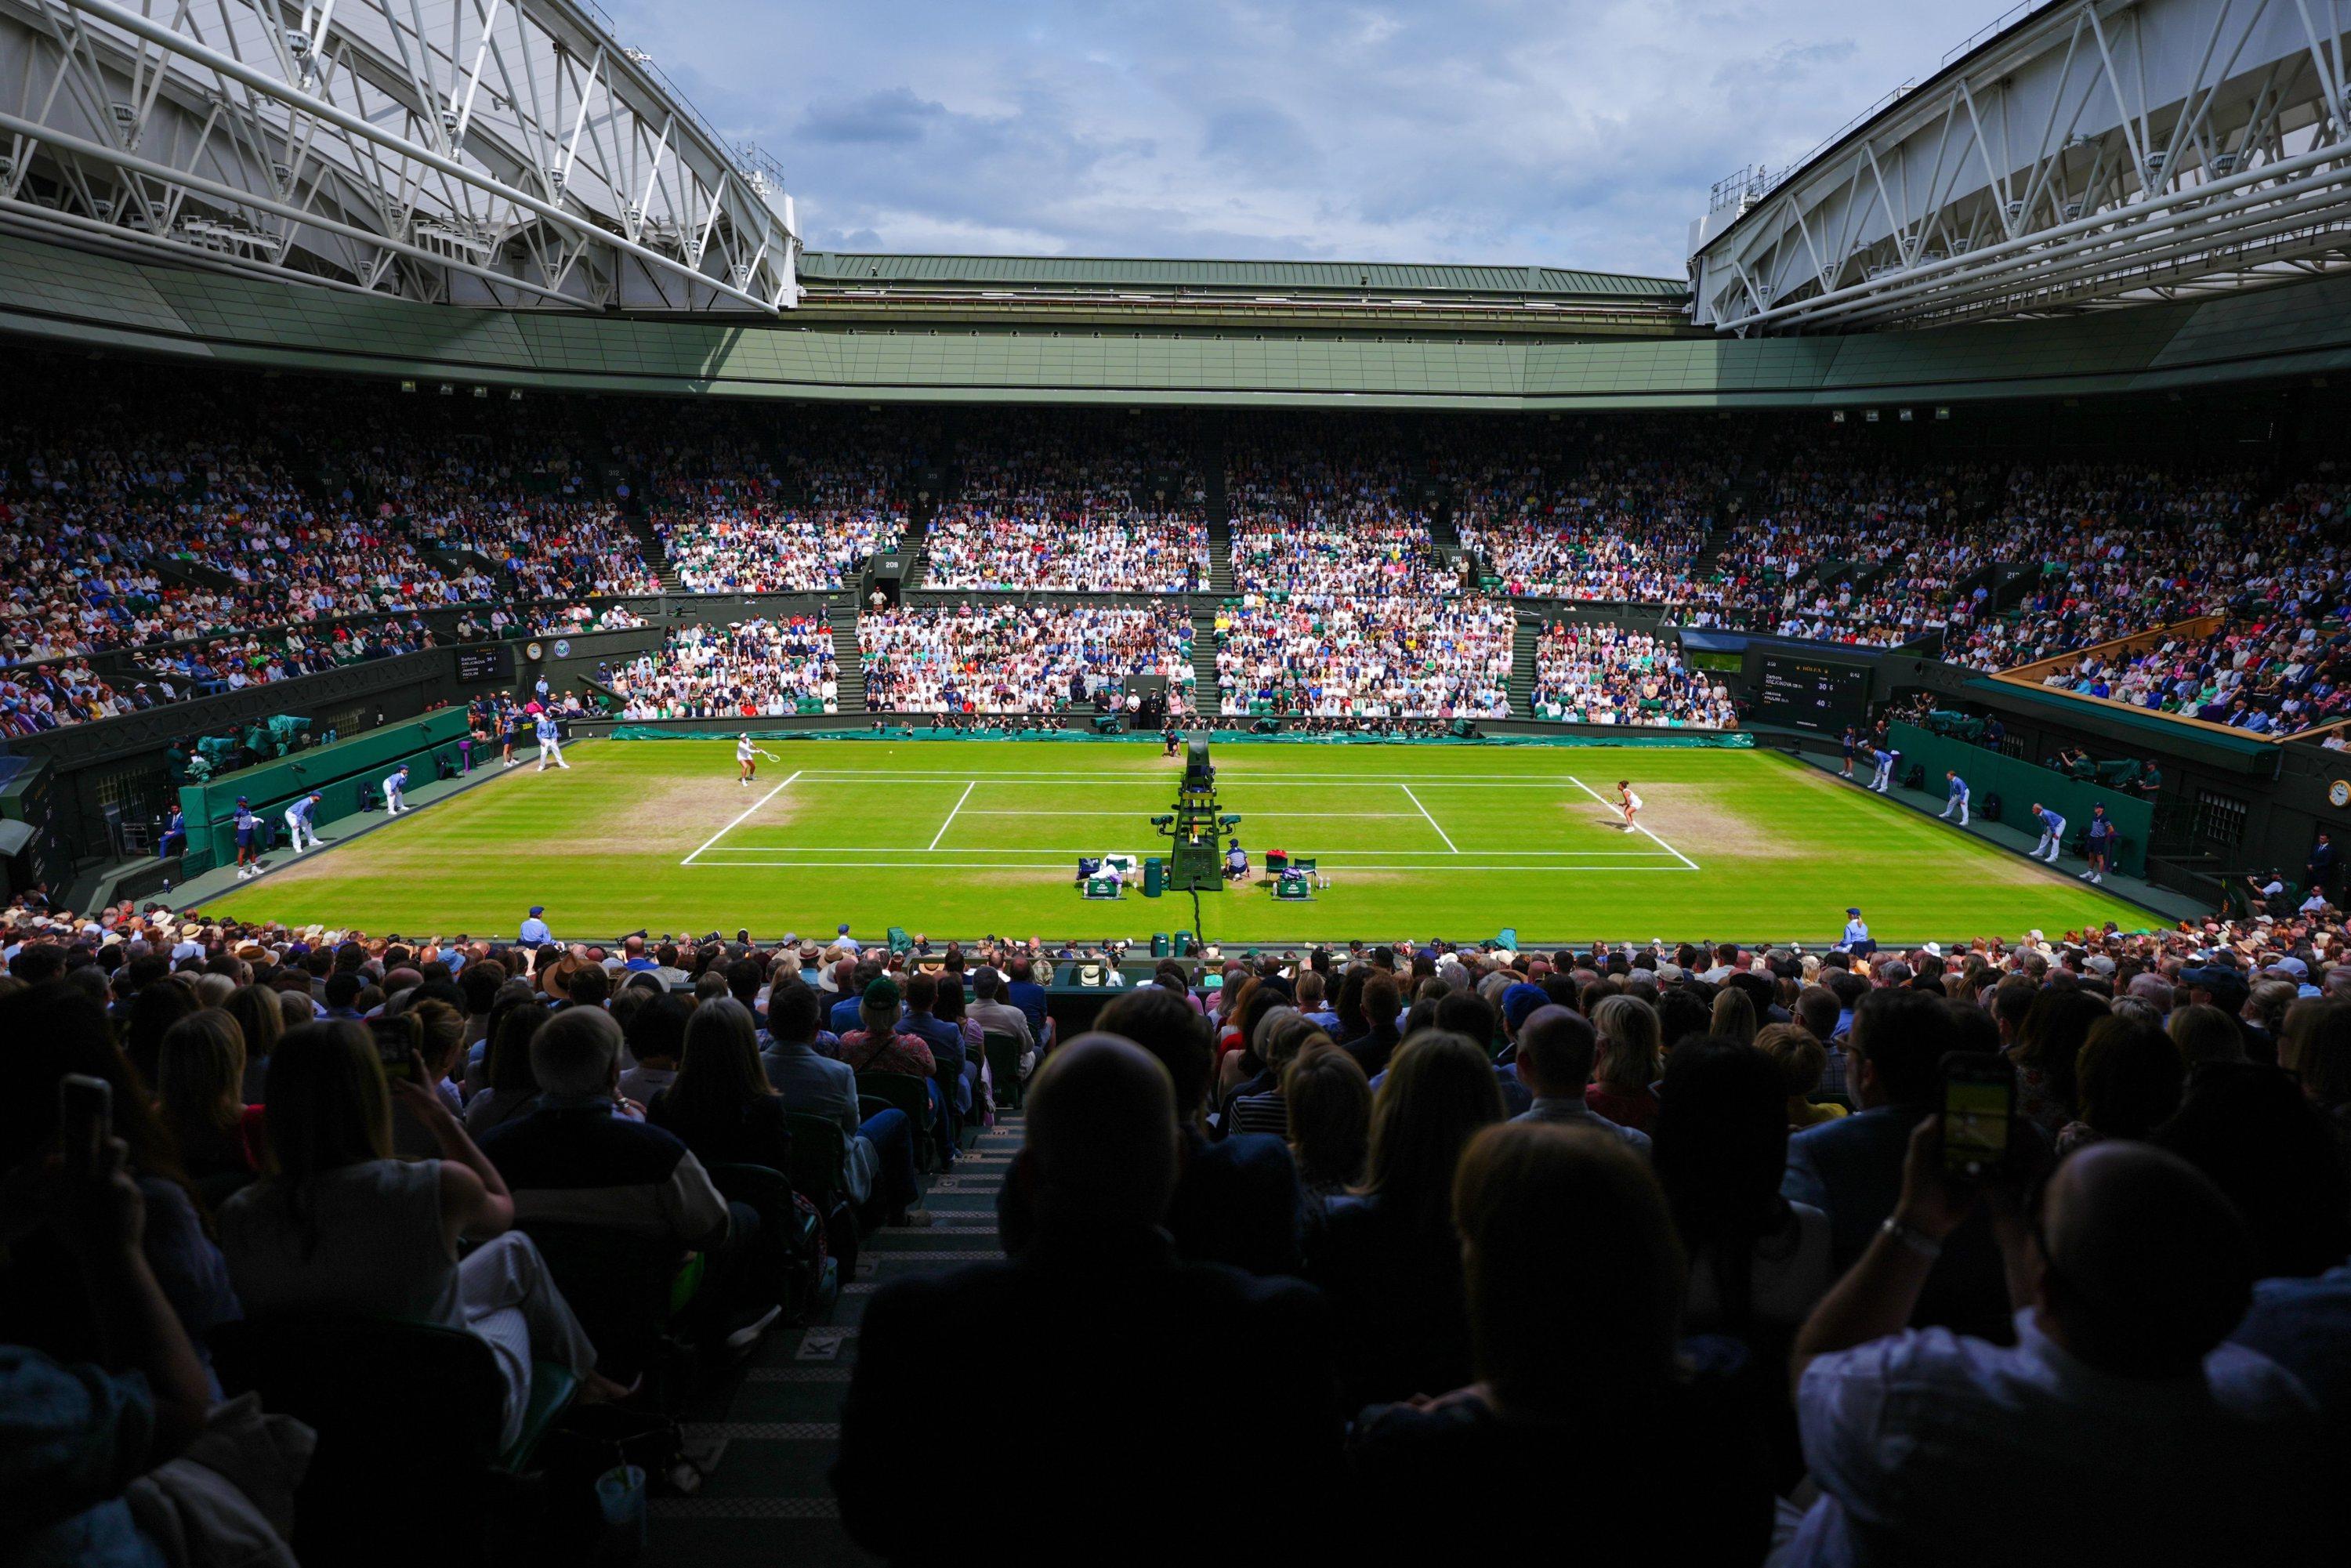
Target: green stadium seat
[
  {"x": 911, "y": 1095},
  {"x": 1003, "y": 1053}
]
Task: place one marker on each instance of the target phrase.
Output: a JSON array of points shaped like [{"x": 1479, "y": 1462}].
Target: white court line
[
  {"x": 731, "y": 826},
  {"x": 1437, "y": 857},
  {"x": 1339, "y": 816},
  {"x": 1063, "y": 866},
  {"x": 1432, "y": 821},
  {"x": 1161, "y": 780},
  {"x": 1636, "y": 826},
  {"x": 953, "y": 814}
]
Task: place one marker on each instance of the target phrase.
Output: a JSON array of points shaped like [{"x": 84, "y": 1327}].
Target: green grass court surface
[{"x": 964, "y": 839}]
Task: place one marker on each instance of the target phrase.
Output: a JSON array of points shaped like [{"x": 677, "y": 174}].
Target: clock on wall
[{"x": 2338, "y": 794}]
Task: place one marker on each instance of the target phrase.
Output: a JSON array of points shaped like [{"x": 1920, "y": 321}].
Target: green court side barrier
[
  {"x": 2018, "y": 784},
  {"x": 338, "y": 772}
]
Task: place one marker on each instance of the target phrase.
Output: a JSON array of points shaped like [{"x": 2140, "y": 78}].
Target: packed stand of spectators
[
  {"x": 1615, "y": 510},
  {"x": 747, "y": 669},
  {"x": 1415, "y": 1184},
  {"x": 34, "y": 697},
  {"x": 736, "y": 516},
  {"x": 1069, "y": 505},
  {"x": 1400, "y": 657},
  {"x": 2265, "y": 677},
  {"x": 1037, "y": 658},
  {"x": 1588, "y": 674},
  {"x": 105, "y": 481},
  {"x": 1327, "y": 519},
  {"x": 1437, "y": 1179},
  {"x": 2119, "y": 557}
]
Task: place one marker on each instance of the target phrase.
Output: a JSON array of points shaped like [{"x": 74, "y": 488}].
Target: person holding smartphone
[
  {"x": 80, "y": 1433},
  {"x": 2128, "y": 1269}
]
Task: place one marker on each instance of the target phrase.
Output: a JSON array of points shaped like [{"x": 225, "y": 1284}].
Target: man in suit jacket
[
  {"x": 1124, "y": 1394},
  {"x": 1851, "y": 1167}
]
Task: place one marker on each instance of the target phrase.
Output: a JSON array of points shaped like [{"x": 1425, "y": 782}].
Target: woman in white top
[
  {"x": 1719, "y": 1146},
  {"x": 338, "y": 1226}
]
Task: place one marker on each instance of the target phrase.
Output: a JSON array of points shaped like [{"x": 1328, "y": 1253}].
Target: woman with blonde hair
[
  {"x": 1631, "y": 1046},
  {"x": 1734, "y": 1016},
  {"x": 198, "y": 1093},
  {"x": 261, "y": 1019},
  {"x": 2204, "y": 1033},
  {"x": 1802, "y": 1060}
]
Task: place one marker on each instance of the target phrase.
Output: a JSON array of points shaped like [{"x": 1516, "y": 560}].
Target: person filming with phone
[{"x": 2148, "y": 1438}]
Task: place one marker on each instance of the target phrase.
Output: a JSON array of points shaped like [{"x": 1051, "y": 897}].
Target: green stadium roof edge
[
  {"x": 1491, "y": 352},
  {"x": 849, "y": 269}
]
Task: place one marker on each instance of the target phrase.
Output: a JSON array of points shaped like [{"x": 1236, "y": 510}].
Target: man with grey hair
[
  {"x": 577, "y": 1160},
  {"x": 1130, "y": 1401}
]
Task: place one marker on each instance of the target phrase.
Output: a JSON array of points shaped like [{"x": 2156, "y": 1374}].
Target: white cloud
[{"x": 1575, "y": 134}]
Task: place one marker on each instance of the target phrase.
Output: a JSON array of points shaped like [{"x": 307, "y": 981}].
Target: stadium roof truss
[
  {"x": 2096, "y": 154},
  {"x": 489, "y": 153}
]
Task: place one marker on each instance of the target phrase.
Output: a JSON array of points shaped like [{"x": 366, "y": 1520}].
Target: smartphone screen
[
  {"x": 393, "y": 1045},
  {"x": 1978, "y": 1102},
  {"x": 85, "y": 1117}
]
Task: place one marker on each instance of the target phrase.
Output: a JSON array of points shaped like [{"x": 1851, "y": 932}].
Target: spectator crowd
[
  {"x": 1590, "y": 673},
  {"x": 1475, "y": 1217},
  {"x": 747, "y": 669},
  {"x": 1034, "y": 658}
]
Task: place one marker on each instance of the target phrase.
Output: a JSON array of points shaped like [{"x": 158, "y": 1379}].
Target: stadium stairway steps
[
  {"x": 656, "y": 557},
  {"x": 1522, "y": 665},
  {"x": 774, "y": 1428},
  {"x": 1220, "y": 556},
  {"x": 1206, "y": 697},
  {"x": 848, "y": 652},
  {"x": 1443, "y": 534},
  {"x": 914, "y": 548}
]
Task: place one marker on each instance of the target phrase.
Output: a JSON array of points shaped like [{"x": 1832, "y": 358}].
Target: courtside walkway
[
  {"x": 221, "y": 881},
  {"x": 2160, "y": 903},
  {"x": 774, "y": 1426}
]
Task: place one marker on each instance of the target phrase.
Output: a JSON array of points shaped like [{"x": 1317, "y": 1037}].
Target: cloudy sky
[{"x": 1566, "y": 133}]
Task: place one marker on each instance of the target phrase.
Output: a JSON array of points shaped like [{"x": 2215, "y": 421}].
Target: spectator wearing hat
[
  {"x": 876, "y": 1045},
  {"x": 1856, "y": 939},
  {"x": 534, "y": 933}
]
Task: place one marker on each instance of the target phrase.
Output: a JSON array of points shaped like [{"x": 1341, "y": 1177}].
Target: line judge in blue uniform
[
  {"x": 534, "y": 931},
  {"x": 1959, "y": 801},
  {"x": 1855, "y": 940}
]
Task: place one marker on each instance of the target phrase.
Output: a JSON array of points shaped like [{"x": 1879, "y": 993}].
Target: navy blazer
[{"x": 1852, "y": 1169}]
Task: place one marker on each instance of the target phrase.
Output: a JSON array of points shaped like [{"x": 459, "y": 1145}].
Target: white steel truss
[
  {"x": 490, "y": 152},
  {"x": 2096, "y": 154}
]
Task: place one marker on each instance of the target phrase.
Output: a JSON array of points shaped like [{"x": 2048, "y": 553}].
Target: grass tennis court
[{"x": 974, "y": 838}]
